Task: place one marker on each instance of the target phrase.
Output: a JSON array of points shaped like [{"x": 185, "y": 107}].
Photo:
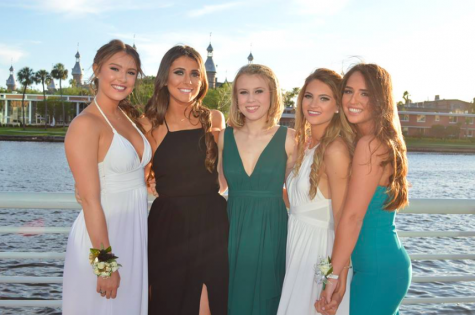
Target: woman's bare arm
[
  {"x": 365, "y": 177},
  {"x": 81, "y": 145},
  {"x": 337, "y": 168},
  {"x": 218, "y": 127},
  {"x": 223, "y": 184}
]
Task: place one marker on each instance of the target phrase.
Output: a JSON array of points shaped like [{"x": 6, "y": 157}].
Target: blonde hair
[
  {"x": 236, "y": 118},
  {"x": 387, "y": 129},
  {"x": 338, "y": 127}
]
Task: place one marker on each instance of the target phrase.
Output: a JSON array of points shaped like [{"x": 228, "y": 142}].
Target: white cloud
[
  {"x": 76, "y": 8},
  {"x": 9, "y": 54},
  {"x": 319, "y": 7},
  {"x": 207, "y": 9}
]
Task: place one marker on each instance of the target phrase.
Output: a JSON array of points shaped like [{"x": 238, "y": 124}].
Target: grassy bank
[
  {"x": 413, "y": 144},
  {"x": 32, "y": 131},
  {"x": 440, "y": 145}
]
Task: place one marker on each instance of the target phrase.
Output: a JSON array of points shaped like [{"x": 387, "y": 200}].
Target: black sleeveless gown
[{"x": 187, "y": 229}]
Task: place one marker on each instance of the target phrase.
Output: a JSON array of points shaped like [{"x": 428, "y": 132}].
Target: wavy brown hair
[
  {"x": 102, "y": 56},
  {"x": 387, "y": 130},
  {"x": 338, "y": 127},
  {"x": 157, "y": 106},
  {"x": 236, "y": 118}
]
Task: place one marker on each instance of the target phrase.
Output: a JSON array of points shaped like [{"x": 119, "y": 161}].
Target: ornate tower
[
  {"x": 77, "y": 70},
  {"x": 250, "y": 58},
  {"x": 51, "y": 86},
  {"x": 11, "y": 82},
  {"x": 210, "y": 68}
]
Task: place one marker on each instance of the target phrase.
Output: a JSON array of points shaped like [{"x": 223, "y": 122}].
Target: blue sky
[{"x": 427, "y": 46}]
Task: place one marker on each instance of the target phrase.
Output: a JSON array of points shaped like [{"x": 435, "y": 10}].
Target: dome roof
[
  {"x": 11, "y": 81},
  {"x": 209, "y": 65},
  {"x": 210, "y": 48},
  {"x": 51, "y": 85},
  {"x": 250, "y": 57},
  {"x": 77, "y": 69}
]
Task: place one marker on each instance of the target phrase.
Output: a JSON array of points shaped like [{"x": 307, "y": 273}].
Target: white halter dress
[
  {"x": 124, "y": 202},
  {"x": 310, "y": 237}
]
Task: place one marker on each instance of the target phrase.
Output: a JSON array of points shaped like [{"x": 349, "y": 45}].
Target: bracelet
[
  {"x": 103, "y": 261},
  {"x": 332, "y": 276}
]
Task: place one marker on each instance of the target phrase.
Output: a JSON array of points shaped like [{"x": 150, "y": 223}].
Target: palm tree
[
  {"x": 60, "y": 73},
  {"x": 26, "y": 78},
  {"x": 43, "y": 77},
  {"x": 406, "y": 98}
]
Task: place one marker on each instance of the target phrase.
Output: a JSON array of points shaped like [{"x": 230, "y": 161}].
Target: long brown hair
[
  {"x": 387, "y": 129},
  {"x": 338, "y": 127},
  {"x": 157, "y": 106},
  {"x": 236, "y": 118},
  {"x": 105, "y": 53}
]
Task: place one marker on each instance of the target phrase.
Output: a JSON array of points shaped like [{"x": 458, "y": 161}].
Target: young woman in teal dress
[
  {"x": 254, "y": 155},
  {"x": 378, "y": 187}
]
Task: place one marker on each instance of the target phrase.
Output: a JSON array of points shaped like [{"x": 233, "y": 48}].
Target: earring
[{"x": 337, "y": 112}]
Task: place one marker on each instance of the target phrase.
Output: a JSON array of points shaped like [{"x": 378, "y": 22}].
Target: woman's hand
[
  {"x": 151, "y": 187},
  {"x": 107, "y": 287},
  {"x": 329, "y": 308},
  {"x": 330, "y": 298}
]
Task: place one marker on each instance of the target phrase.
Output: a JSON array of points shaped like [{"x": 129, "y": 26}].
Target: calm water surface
[{"x": 42, "y": 167}]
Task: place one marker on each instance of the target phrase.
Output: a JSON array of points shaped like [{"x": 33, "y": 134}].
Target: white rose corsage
[
  {"x": 322, "y": 270},
  {"x": 103, "y": 261}
]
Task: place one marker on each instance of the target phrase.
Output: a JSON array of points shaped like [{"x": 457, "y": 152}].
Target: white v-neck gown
[
  {"x": 124, "y": 202},
  {"x": 310, "y": 237}
]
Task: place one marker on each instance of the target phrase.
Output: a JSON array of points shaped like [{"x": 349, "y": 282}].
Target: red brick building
[{"x": 450, "y": 117}]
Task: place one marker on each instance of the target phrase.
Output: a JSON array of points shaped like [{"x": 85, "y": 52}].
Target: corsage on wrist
[
  {"x": 103, "y": 261},
  {"x": 324, "y": 271}
]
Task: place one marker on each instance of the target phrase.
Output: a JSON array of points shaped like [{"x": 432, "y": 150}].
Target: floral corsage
[
  {"x": 323, "y": 271},
  {"x": 103, "y": 261}
]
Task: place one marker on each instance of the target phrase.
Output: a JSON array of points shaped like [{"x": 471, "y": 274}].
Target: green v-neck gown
[{"x": 258, "y": 227}]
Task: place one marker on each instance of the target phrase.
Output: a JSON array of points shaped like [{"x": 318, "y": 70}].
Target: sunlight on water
[{"x": 42, "y": 167}]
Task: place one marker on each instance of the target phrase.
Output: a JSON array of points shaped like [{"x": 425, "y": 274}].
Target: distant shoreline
[
  {"x": 32, "y": 138},
  {"x": 415, "y": 148}
]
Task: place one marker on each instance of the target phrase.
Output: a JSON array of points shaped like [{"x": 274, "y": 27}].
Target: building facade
[
  {"x": 437, "y": 118},
  {"x": 11, "y": 108}
]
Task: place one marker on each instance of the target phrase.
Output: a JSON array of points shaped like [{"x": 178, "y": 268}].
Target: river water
[{"x": 42, "y": 167}]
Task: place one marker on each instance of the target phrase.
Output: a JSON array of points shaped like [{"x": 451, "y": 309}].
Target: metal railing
[{"x": 66, "y": 201}]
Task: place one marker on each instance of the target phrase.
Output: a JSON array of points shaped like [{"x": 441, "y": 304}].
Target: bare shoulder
[
  {"x": 86, "y": 123},
  {"x": 221, "y": 139},
  {"x": 336, "y": 148},
  {"x": 216, "y": 117},
  {"x": 291, "y": 133},
  {"x": 290, "y": 137},
  {"x": 290, "y": 142},
  {"x": 145, "y": 122},
  {"x": 368, "y": 145}
]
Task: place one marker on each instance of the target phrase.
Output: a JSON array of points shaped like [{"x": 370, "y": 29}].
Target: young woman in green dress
[
  {"x": 378, "y": 187},
  {"x": 254, "y": 156}
]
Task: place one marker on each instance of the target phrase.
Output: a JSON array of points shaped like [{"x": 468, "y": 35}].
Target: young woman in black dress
[{"x": 188, "y": 224}]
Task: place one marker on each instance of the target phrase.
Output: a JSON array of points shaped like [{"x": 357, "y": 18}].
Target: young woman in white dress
[
  {"x": 107, "y": 153},
  {"x": 316, "y": 189}
]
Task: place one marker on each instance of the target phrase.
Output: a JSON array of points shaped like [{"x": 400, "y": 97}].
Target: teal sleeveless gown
[
  {"x": 258, "y": 227},
  {"x": 382, "y": 268}
]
